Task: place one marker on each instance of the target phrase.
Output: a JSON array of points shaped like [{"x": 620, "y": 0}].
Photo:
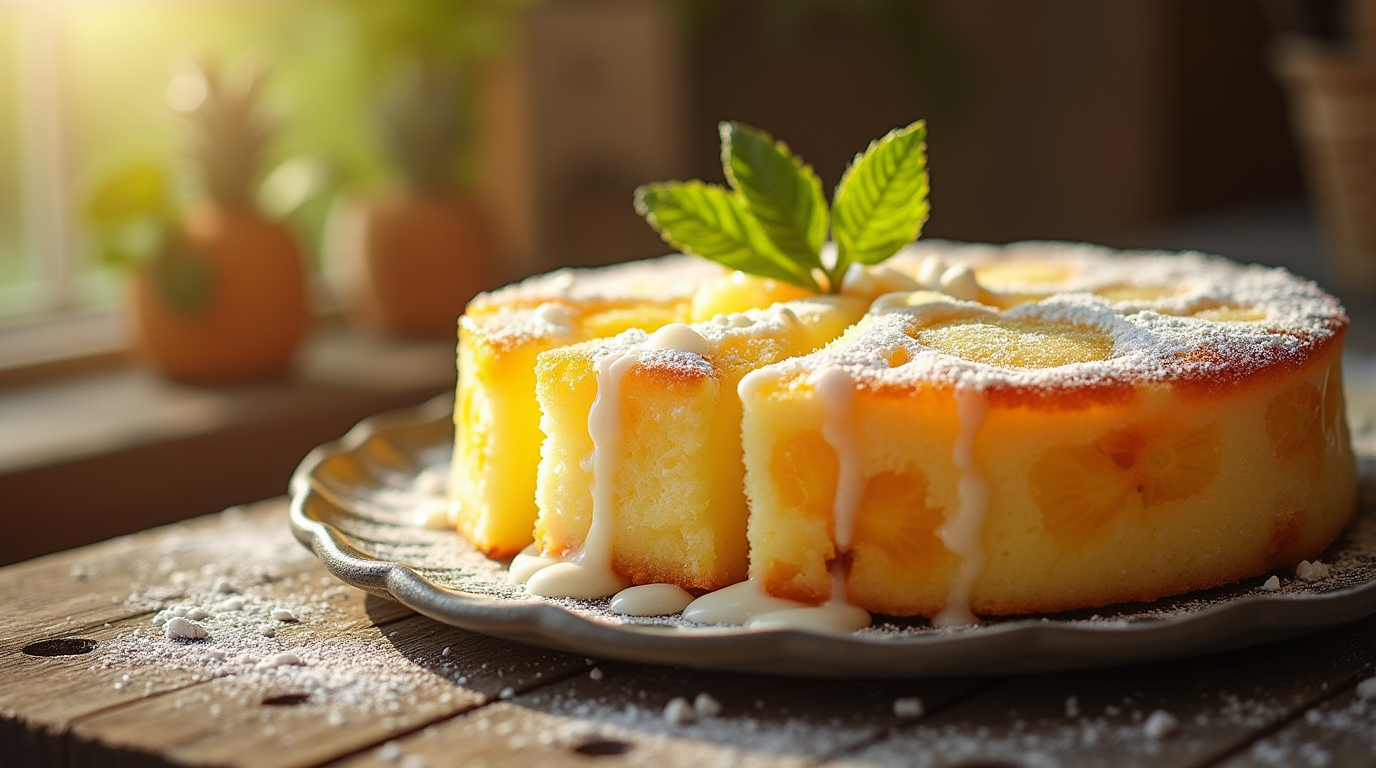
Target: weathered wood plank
[
  {"x": 1219, "y": 704},
  {"x": 623, "y": 709},
  {"x": 356, "y": 689},
  {"x": 87, "y": 594},
  {"x": 1341, "y": 731},
  {"x": 376, "y": 686},
  {"x": 93, "y": 585},
  {"x": 369, "y": 668}
]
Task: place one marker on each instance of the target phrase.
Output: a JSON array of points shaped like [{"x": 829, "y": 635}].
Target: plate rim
[{"x": 1033, "y": 644}]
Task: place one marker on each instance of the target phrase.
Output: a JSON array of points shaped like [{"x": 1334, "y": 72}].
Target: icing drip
[
  {"x": 589, "y": 574},
  {"x": 736, "y": 604},
  {"x": 1331, "y": 437},
  {"x": 678, "y": 336},
  {"x": 837, "y": 392},
  {"x": 433, "y": 513},
  {"x": 929, "y": 274},
  {"x": 751, "y": 382},
  {"x": 527, "y": 564},
  {"x": 556, "y": 315},
  {"x": 959, "y": 282},
  {"x": 650, "y": 600},
  {"x": 835, "y": 615},
  {"x": 962, "y": 534}
]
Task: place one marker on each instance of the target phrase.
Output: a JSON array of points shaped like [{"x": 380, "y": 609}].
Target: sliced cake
[
  {"x": 666, "y": 470},
  {"x": 497, "y": 440}
]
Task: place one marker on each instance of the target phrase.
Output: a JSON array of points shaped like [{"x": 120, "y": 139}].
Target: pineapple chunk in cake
[
  {"x": 497, "y": 419},
  {"x": 676, "y": 495}
]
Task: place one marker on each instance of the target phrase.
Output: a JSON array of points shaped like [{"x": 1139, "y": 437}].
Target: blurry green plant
[
  {"x": 436, "y": 31},
  {"x": 137, "y": 216},
  {"x": 137, "y": 222},
  {"x": 131, "y": 212},
  {"x": 406, "y": 259},
  {"x": 425, "y": 56}
]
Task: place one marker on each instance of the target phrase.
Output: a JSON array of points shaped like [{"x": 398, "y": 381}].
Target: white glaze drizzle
[
  {"x": 929, "y": 273},
  {"x": 963, "y": 533},
  {"x": 959, "y": 281},
  {"x": 836, "y": 389},
  {"x": 751, "y": 382},
  {"x": 736, "y": 604},
  {"x": 650, "y": 600},
  {"x": 747, "y": 603},
  {"x": 432, "y": 513},
  {"x": 589, "y": 574},
  {"x": 783, "y": 314},
  {"x": 835, "y": 615},
  {"x": 555, "y": 314},
  {"x": 527, "y": 564},
  {"x": 677, "y": 336}
]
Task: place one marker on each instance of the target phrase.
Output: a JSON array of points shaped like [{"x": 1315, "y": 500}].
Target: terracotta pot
[
  {"x": 407, "y": 263},
  {"x": 229, "y": 306}
]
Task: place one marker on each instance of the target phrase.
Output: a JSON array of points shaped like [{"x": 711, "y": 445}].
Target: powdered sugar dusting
[
  {"x": 1154, "y": 341},
  {"x": 672, "y": 276}
]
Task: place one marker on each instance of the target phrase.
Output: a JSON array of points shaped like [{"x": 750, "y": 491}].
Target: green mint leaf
[
  {"x": 881, "y": 201},
  {"x": 782, "y": 192},
  {"x": 712, "y": 222}
]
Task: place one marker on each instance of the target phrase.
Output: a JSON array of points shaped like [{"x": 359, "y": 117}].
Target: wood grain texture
[
  {"x": 380, "y": 685},
  {"x": 620, "y": 710},
  {"x": 232, "y": 722},
  {"x": 1219, "y": 703},
  {"x": 71, "y": 710}
]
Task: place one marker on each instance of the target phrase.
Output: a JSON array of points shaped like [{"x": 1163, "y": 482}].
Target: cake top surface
[
  {"x": 1033, "y": 319},
  {"x": 1116, "y": 319},
  {"x": 668, "y": 278}
]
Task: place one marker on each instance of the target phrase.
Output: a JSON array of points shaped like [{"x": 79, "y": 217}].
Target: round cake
[{"x": 969, "y": 430}]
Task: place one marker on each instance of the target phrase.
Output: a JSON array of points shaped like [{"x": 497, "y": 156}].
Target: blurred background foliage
[
  {"x": 327, "y": 61},
  {"x": 1070, "y": 119}
]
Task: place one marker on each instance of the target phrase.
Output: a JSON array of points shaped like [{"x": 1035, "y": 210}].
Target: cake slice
[
  {"x": 673, "y": 482},
  {"x": 497, "y": 419}
]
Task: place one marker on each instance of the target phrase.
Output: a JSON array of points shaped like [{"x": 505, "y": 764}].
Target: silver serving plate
[{"x": 353, "y": 501}]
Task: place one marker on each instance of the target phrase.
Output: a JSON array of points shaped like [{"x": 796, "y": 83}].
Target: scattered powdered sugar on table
[
  {"x": 646, "y": 717},
  {"x": 1085, "y": 734},
  {"x": 1339, "y": 732},
  {"x": 313, "y": 654},
  {"x": 679, "y": 712},
  {"x": 910, "y": 706},
  {"x": 1160, "y": 724}
]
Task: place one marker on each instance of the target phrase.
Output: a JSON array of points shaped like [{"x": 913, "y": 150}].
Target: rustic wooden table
[{"x": 302, "y": 670}]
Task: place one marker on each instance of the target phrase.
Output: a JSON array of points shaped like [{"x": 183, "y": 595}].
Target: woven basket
[{"x": 1333, "y": 106}]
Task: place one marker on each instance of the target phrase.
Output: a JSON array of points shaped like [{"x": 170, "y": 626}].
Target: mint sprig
[
  {"x": 773, "y": 220},
  {"x": 710, "y": 221},
  {"x": 780, "y": 190},
  {"x": 881, "y": 201}
]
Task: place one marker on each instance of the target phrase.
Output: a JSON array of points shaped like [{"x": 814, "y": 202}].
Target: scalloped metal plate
[{"x": 350, "y": 507}]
